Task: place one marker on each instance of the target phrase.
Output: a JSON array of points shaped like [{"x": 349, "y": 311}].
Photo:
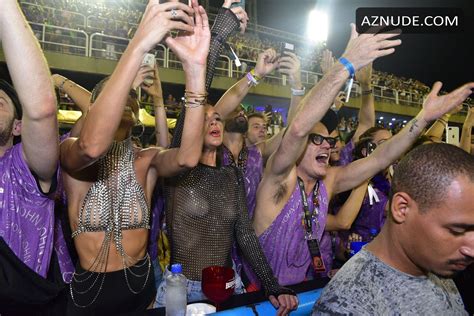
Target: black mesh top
[{"x": 206, "y": 211}]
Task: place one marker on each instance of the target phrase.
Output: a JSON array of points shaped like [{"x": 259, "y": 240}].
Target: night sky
[{"x": 427, "y": 57}]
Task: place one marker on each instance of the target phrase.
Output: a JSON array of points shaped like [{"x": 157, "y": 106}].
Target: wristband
[
  {"x": 298, "y": 92},
  {"x": 348, "y": 65},
  {"x": 350, "y": 68},
  {"x": 258, "y": 78},
  {"x": 252, "y": 81}
]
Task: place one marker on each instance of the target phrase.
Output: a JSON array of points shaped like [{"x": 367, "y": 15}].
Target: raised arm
[
  {"x": 361, "y": 50},
  {"x": 367, "y": 109},
  {"x": 161, "y": 124},
  {"x": 347, "y": 214},
  {"x": 192, "y": 50},
  {"x": 467, "y": 130},
  {"x": 105, "y": 114},
  {"x": 435, "y": 132},
  {"x": 435, "y": 106},
  {"x": 32, "y": 81},
  {"x": 290, "y": 66},
  {"x": 266, "y": 63},
  {"x": 79, "y": 95}
]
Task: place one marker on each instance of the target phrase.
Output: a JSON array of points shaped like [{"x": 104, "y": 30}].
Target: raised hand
[
  {"x": 144, "y": 73},
  {"x": 159, "y": 19},
  {"x": 470, "y": 117},
  {"x": 192, "y": 47},
  {"x": 436, "y": 105},
  {"x": 267, "y": 61},
  {"x": 365, "y": 48},
  {"x": 327, "y": 61},
  {"x": 290, "y": 65},
  {"x": 154, "y": 89},
  {"x": 364, "y": 76},
  {"x": 241, "y": 14}
]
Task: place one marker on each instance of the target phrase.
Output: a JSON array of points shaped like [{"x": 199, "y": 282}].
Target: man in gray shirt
[{"x": 428, "y": 238}]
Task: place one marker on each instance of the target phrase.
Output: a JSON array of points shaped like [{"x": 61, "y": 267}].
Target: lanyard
[
  {"x": 308, "y": 216},
  {"x": 313, "y": 243}
]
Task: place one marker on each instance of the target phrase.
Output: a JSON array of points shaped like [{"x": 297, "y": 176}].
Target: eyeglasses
[{"x": 319, "y": 139}]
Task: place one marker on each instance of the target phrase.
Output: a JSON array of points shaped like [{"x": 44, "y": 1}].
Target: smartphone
[
  {"x": 286, "y": 47},
  {"x": 239, "y": 4},
  {"x": 149, "y": 60},
  {"x": 452, "y": 135}
]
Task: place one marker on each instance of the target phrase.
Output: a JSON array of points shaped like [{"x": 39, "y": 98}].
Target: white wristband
[{"x": 298, "y": 92}]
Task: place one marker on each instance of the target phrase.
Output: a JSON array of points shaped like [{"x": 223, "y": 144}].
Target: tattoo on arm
[{"x": 413, "y": 125}]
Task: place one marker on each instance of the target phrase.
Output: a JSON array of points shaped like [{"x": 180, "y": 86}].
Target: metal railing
[
  {"x": 99, "y": 24},
  {"x": 99, "y": 45},
  {"x": 61, "y": 39}
]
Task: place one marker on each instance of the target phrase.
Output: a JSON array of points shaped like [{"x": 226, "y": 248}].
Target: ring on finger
[{"x": 174, "y": 13}]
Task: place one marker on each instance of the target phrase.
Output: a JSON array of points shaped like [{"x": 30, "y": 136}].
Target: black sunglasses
[{"x": 319, "y": 139}]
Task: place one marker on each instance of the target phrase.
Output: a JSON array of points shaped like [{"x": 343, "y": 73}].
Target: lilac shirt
[
  {"x": 283, "y": 242},
  {"x": 345, "y": 155},
  {"x": 158, "y": 206},
  {"x": 27, "y": 217},
  {"x": 252, "y": 176},
  {"x": 370, "y": 216}
]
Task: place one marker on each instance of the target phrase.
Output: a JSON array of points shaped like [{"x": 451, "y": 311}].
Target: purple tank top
[
  {"x": 27, "y": 221},
  {"x": 370, "y": 216},
  {"x": 345, "y": 155},
  {"x": 252, "y": 175},
  {"x": 283, "y": 242}
]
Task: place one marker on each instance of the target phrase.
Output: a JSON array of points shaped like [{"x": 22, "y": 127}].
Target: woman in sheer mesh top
[
  {"x": 109, "y": 182},
  {"x": 206, "y": 212}
]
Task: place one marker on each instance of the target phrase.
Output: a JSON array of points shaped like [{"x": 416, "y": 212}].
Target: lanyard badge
[{"x": 315, "y": 252}]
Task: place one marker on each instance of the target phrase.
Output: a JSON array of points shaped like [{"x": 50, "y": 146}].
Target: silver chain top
[{"x": 115, "y": 202}]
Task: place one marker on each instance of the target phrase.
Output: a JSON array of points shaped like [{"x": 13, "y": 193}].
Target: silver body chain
[{"x": 115, "y": 202}]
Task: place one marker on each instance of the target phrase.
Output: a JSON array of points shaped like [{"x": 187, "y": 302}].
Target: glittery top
[{"x": 116, "y": 201}]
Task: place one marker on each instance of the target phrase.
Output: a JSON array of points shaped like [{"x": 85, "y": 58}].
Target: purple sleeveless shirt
[
  {"x": 283, "y": 241},
  {"x": 370, "y": 216},
  {"x": 252, "y": 175},
  {"x": 345, "y": 155},
  {"x": 27, "y": 221},
  {"x": 330, "y": 239}
]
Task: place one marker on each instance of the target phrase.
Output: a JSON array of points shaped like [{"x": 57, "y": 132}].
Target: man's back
[{"x": 368, "y": 286}]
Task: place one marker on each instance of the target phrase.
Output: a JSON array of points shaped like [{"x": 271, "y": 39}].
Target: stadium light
[
  {"x": 317, "y": 27},
  {"x": 381, "y": 118}
]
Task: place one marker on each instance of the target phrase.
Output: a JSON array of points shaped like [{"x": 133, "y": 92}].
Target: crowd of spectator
[{"x": 119, "y": 18}]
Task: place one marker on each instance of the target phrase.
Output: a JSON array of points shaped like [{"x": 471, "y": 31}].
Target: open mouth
[
  {"x": 322, "y": 158},
  {"x": 215, "y": 133}
]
